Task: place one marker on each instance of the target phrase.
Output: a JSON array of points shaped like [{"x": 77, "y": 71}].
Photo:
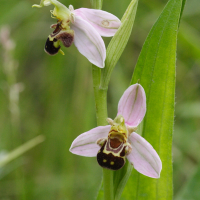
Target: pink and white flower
[
  {"x": 117, "y": 141},
  {"x": 82, "y": 26}
]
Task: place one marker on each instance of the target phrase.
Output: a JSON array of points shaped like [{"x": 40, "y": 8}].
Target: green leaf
[
  {"x": 8, "y": 157},
  {"x": 155, "y": 71},
  {"x": 118, "y": 42},
  {"x": 100, "y": 194},
  {"x": 120, "y": 179},
  {"x": 191, "y": 190}
]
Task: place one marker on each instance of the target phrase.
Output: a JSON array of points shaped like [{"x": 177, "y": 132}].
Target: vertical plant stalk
[
  {"x": 13, "y": 88},
  {"x": 97, "y": 4},
  {"x": 100, "y": 95},
  {"x": 108, "y": 184}
]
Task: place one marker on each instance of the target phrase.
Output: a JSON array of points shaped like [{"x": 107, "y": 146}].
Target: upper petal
[
  {"x": 85, "y": 144},
  {"x": 132, "y": 105},
  {"x": 105, "y": 23},
  {"x": 89, "y": 42},
  {"x": 144, "y": 157}
]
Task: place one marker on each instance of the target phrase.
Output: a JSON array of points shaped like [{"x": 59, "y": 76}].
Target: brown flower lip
[
  {"x": 50, "y": 48},
  {"x": 65, "y": 36}
]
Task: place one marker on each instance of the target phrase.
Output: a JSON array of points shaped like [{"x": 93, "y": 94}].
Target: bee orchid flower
[
  {"x": 82, "y": 26},
  {"x": 113, "y": 143}
]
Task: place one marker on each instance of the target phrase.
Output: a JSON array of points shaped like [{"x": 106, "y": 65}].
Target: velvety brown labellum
[
  {"x": 50, "y": 48},
  {"x": 107, "y": 157},
  {"x": 66, "y": 38}
]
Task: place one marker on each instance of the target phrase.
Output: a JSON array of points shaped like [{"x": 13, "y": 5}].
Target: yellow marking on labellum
[
  {"x": 113, "y": 152},
  {"x": 112, "y": 158},
  {"x": 61, "y": 52},
  {"x": 112, "y": 163}
]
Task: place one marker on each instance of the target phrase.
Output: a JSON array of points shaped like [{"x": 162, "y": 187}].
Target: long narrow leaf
[
  {"x": 155, "y": 71},
  {"x": 118, "y": 42}
]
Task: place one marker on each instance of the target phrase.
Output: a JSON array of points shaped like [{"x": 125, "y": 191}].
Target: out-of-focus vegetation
[{"x": 56, "y": 100}]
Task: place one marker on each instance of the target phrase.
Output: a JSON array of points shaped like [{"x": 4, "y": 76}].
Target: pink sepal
[
  {"x": 132, "y": 105},
  {"x": 144, "y": 157},
  {"x": 105, "y": 23},
  {"x": 89, "y": 42},
  {"x": 85, "y": 144}
]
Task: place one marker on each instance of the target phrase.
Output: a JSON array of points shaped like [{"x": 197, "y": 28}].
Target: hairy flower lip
[
  {"x": 50, "y": 47},
  {"x": 66, "y": 37},
  {"x": 139, "y": 152}
]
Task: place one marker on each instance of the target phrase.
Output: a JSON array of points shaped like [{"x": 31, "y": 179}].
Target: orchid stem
[
  {"x": 100, "y": 95},
  {"x": 108, "y": 184},
  {"x": 97, "y": 4}
]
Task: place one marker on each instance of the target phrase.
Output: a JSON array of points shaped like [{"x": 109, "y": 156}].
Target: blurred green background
[{"x": 57, "y": 100}]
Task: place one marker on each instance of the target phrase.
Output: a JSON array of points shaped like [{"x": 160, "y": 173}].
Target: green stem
[
  {"x": 108, "y": 184},
  {"x": 97, "y": 4},
  {"x": 100, "y": 95}
]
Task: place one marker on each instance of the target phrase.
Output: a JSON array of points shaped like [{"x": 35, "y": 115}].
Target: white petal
[
  {"x": 105, "y": 23},
  {"x": 89, "y": 42},
  {"x": 144, "y": 157},
  {"x": 85, "y": 144},
  {"x": 132, "y": 105}
]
